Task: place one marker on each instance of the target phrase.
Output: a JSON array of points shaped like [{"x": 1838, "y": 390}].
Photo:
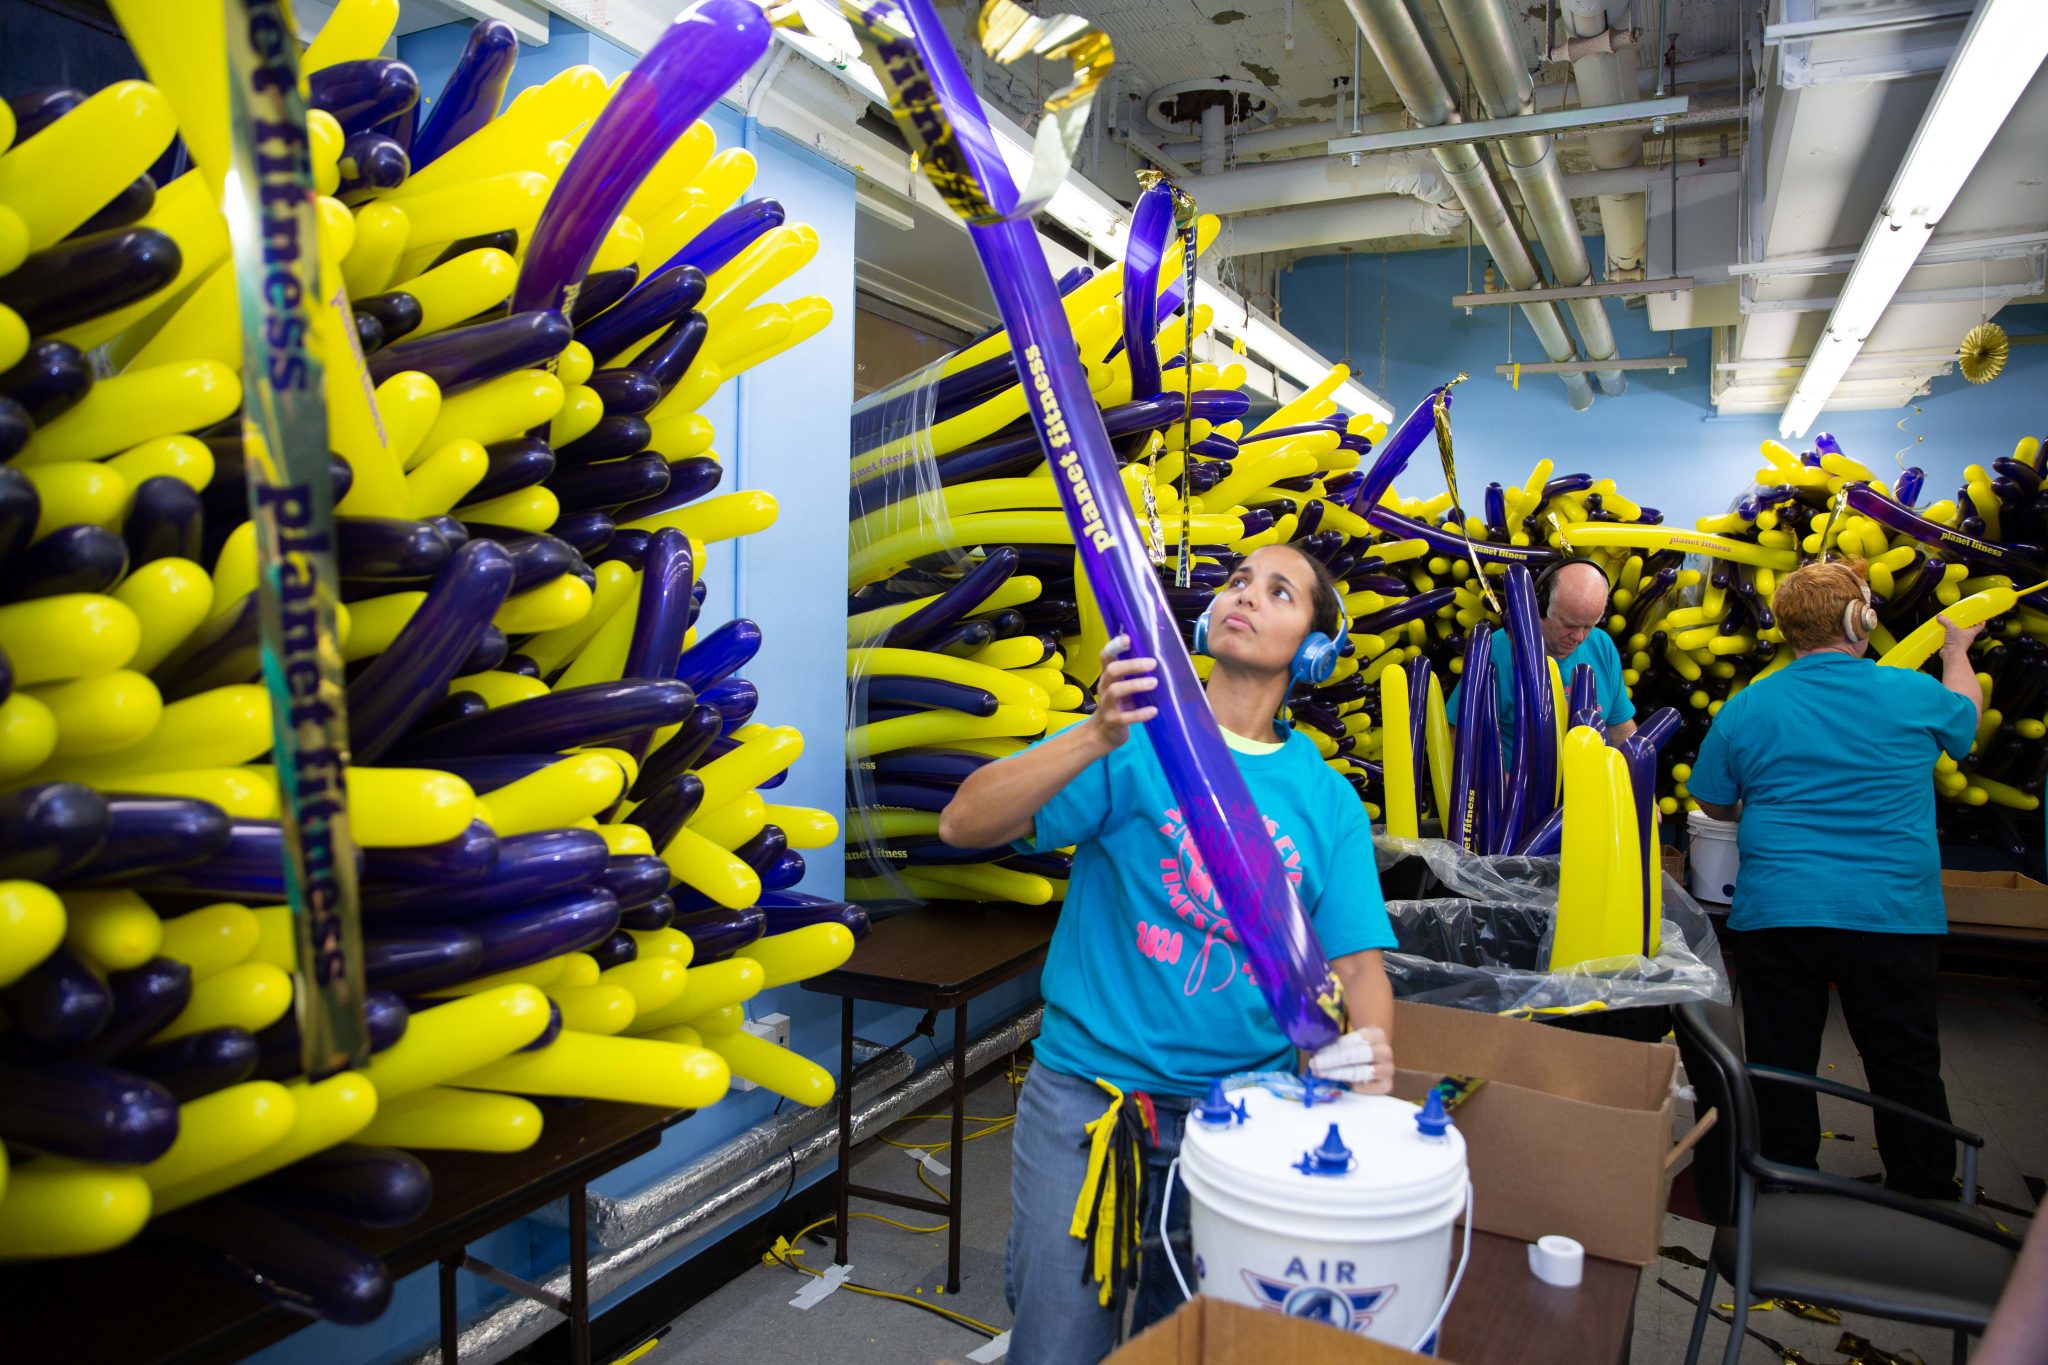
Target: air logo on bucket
[{"x": 1337, "y": 1304}]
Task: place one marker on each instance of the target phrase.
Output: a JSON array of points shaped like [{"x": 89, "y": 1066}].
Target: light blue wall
[
  {"x": 1661, "y": 440},
  {"x": 782, "y": 428}
]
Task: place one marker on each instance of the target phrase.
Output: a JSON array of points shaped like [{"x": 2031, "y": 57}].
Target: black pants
[{"x": 1888, "y": 987}]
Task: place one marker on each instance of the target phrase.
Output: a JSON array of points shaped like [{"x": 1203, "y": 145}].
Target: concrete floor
[{"x": 1995, "y": 1045}]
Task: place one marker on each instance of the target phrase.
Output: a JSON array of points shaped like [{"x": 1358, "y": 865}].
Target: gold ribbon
[{"x": 1441, "y": 410}]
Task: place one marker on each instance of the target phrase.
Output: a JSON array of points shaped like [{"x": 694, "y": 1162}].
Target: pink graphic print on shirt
[{"x": 1191, "y": 893}]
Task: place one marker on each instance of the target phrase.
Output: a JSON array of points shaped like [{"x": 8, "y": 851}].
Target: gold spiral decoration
[{"x": 1983, "y": 352}]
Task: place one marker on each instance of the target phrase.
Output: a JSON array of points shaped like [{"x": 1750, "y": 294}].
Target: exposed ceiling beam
[{"x": 1520, "y": 125}]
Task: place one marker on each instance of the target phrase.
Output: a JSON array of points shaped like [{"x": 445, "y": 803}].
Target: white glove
[{"x": 1361, "y": 1059}]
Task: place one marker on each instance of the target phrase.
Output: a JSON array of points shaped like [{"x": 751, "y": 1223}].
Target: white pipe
[
  {"x": 1295, "y": 135},
  {"x": 1633, "y": 180},
  {"x": 1604, "y": 77},
  {"x": 1212, "y": 138},
  {"x": 1317, "y": 179},
  {"x": 1352, "y": 220}
]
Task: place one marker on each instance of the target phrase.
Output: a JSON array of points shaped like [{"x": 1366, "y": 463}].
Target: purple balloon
[
  {"x": 145, "y": 999},
  {"x": 614, "y": 483},
  {"x": 280, "y": 1257},
  {"x": 720, "y": 654},
  {"x": 662, "y": 618},
  {"x": 656, "y": 914},
  {"x": 1532, "y": 778},
  {"x": 199, "y": 1063},
  {"x": 671, "y": 354},
  {"x": 472, "y": 853},
  {"x": 518, "y": 463},
  {"x": 566, "y": 924},
  {"x": 689, "y": 479},
  {"x": 1401, "y": 613},
  {"x": 469, "y": 99},
  {"x": 696, "y": 60},
  {"x": 148, "y": 833},
  {"x": 1451, "y": 543},
  {"x": 463, "y": 357},
  {"x": 372, "y": 1187},
  {"x": 421, "y": 958},
  {"x": 49, "y": 829},
  {"x": 1640, "y": 751},
  {"x": 371, "y": 163},
  {"x": 361, "y": 94},
  {"x": 1151, "y": 229},
  {"x": 1585, "y": 698},
  {"x": 786, "y": 871},
  {"x": 84, "y": 1110},
  {"x": 681, "y": 752},
  {"x": 719, "y": 932},
  {"x": 727, "y": 236},
  {"x": 659, "y": 302},
  {"x": 635, "y": 879},
  {"x": 529, "y": 867},
  {"x": 572, "y": 718},
  {"x": 630, "y": 392},
  {"x": 405, "y": 681},
  {"x": 955, "y": 602},
  {"x": 1465, "y": 819},
  {"x": 1864, "y": 498},
  {"x": 663, "y": 812}
]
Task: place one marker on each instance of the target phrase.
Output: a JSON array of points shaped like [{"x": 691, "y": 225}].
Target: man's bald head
[{"x": 1578, "y": 607}]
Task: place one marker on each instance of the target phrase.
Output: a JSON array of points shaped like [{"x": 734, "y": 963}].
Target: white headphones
[{"x": 1859, "y": 618}]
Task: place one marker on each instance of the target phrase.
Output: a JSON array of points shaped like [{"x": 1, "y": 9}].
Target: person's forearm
[
  {"x": 1617, "y": 733},
  {"x": 1000, "y": 801},
  {"x": 2021, "y": 1322},
  {"x": 1959, "y": 676},
  {"x": 1368, "y": 996}
]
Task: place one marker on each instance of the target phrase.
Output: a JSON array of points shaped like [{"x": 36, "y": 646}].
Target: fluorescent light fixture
[{"x": 1999, "y": 54}]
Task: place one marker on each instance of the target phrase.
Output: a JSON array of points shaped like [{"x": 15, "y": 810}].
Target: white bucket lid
[{"x": 1395, "y": 1168}]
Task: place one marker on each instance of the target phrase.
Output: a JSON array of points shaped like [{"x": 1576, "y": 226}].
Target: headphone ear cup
[
  {"x": 1858, "y": 620},
  {"x": 1316, "y": 660},
  {"x": 1202, "y": 629}
]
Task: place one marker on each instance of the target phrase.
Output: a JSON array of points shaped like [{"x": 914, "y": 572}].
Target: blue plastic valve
[
  {"x": 1432, "y": 1121},
  {"x": 1332, "y": 1158},
  {"x": 1217, "y": 1109}
]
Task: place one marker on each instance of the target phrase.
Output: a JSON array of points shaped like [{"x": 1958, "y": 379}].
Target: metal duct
[
  {"x": 1485, "y": 34},
  {"x": 1607, "y": 74},
  {"x": 1318, "y": 179},
  {"x": 518, "y": 1322},
  {"x": 1397, "y": 38},
  {"x": 1353, "y": 220}
]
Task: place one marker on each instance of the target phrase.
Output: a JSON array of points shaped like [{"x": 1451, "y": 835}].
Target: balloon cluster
[{"x": 557, "y": 784}]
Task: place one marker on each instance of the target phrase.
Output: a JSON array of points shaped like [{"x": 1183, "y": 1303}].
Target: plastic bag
[{"x": 1475, "y": 933}]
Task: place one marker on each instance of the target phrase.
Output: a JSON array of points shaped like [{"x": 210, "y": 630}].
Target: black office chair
[{"x": 1832, "y": 1240}]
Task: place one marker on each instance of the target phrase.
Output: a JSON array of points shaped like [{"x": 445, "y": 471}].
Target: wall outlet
[{"x": 772, "y": 1027}]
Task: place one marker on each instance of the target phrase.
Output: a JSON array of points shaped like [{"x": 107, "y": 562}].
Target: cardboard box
[
  {"x": 2002, "y": 898},
  {"x": 1570, "y": 1134},
  {"x": 1208, "y": 1331},
  {"x": 1674, "y": 862}
]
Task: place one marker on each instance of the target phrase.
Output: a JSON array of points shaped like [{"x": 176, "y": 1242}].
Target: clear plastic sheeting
[{"x": 1475, "y": 933}]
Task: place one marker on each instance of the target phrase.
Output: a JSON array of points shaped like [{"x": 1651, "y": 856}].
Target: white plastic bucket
[
  {"x": 1366, "y": 1249},
  {"x": 1713, "y": 860}
]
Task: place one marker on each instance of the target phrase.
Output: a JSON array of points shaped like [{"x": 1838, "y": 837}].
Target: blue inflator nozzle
[
  {"x": 1332, "y": 1158},
  {"x": 1433, "y": 1120},
  {"x": 1216, "y": 1109}
]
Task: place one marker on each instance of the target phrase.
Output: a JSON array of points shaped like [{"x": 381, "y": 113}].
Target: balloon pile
[{"x": 570, "y": 880}]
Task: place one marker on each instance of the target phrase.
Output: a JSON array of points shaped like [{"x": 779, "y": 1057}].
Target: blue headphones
[{"x": 1313, "y": 662}]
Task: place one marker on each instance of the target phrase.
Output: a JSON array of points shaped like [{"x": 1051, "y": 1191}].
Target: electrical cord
[{"x": 783, "y": 1251}]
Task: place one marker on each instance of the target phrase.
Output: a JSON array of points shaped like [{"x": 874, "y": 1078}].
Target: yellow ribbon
[{"x": 1113, "y": 1220}]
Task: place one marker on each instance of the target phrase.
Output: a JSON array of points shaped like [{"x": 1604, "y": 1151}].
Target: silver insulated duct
[
  {"x": 1396, "y": 37},
  {"x": 1485, "y": 34}
]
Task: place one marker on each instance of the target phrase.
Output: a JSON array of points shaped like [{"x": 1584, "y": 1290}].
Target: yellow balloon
[
  {"x": 221, "y": 728},
  {"x": 800, "y": 953},
  {"x": 733, "y": 823},
  {"x": 357, "y": 29},
  {"x": 65, "y": 1209},
  {"x": 621, "y": 245},
  {"x": 499, "y": 203},
  {"x": 710, "y": 987},
  {"x": 98, "y": 714},
  {"x": 13, "y": 337},
  {"x": 382, "y": 231},
  {"x": 663, "y": 943},
  {"x": 456, "y": 1120},
  {"x": 1397, "y": 754},
  {"x": 446, "y": 477},
  {"x": 517, "y": 138},
  {"x": 529, "y": 509},
  {"x": 575, "y": 365},
  {"x": 623, "y": 840},
  {"x": 220, "y": 1129},
  {"x": 31, "y": 927},
  {"x": 113, "y": 930},
  {"x": 1007, "y": 686},
  {"x": 211, "y": 939},
  {"x": 805, "y": 827},
  {"x": 189, "y": 214},
  {"x": 559, "y": 794},
  {"x": 943, "y": 728},
  {"x": 550, "y": 606},
  {"x": 68, "y": 635},
  {"x": 628, "y": 1070},
  {"x": 251, "y": 995},
  {"x": 767, "y": 261},
  {"x": 184, "y": 458},
  {"x": 720, "y": 518},
  {"x": 452, "y": 1039},
  {"x": 773, "y": 1068},
  {"x": 602, "y": 655},
  {"x": 75, "y": 493},
  {"x": 13, "y": 239},
  {"x": 578, "y": 969},
  {"x": 28, "y": 735},
  {"x": 579, "y": 415},
  {"x": 498, "y": 688},
  {"x": 324, "y": 1113},
  {"x": 540, "y": 974},
  {"x": 617, "y": 585},
  {"x": 457, "y": 290},
  {"x": 168, "y": 599},
  {"x": 74, "y": 167},
  {"x": 497, "y": 410},
  {"x": 603, "y": 1010},
  {"x": 137, "y": 406},
  {"x": 682, "y": 163},
  {"x": 708, "y": 868},
  {"x": 652, "y": 982},
  {"x": 204, "y": 325},
  {"x": 377, "y": 484},
  {"x": 409, "y": 403}
]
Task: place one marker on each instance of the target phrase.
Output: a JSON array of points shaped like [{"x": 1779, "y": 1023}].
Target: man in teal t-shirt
[
  {"x": 1828, "y": 765},
  {"x": 1572, "y": 598}
]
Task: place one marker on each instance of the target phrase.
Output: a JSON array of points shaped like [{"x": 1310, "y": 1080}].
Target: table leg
[
  {"x": 448, "y": 1332},
  {"x": 959, "y": 1143},
  {"x": 845, "y": 1120},
  {"x": 579, "y": 1278}
]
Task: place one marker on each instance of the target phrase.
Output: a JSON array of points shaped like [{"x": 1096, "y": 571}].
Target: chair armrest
[
  {"x": 1779, "y": 1076},
  {"x": 1933, "y": 1210}
]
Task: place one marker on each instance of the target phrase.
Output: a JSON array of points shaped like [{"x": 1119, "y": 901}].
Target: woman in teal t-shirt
[
  {"x": 1148, "y": 996},
  {"x": 1831, "y": 763}
]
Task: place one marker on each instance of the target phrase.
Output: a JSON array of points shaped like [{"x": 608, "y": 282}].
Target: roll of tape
[{"x": 1557, "y": 1260}]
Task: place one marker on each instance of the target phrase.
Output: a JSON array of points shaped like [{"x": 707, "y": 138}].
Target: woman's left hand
[{"x": 1362, "y": 1060}]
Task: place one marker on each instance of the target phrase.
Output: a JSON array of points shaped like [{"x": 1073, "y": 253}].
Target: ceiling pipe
[
  {"x": 1315, "y": 180},
  {"x": 1212, "y": 138},
  {"x": 1605, "y": 62},
  {"x": 1352, "y": 220},
  {"x": 1485, "y": 35},
  {"x": 1398, "y": 39}
]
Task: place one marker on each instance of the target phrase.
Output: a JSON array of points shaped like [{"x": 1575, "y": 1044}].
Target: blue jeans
[{"x": 1059, "y": 1319}]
